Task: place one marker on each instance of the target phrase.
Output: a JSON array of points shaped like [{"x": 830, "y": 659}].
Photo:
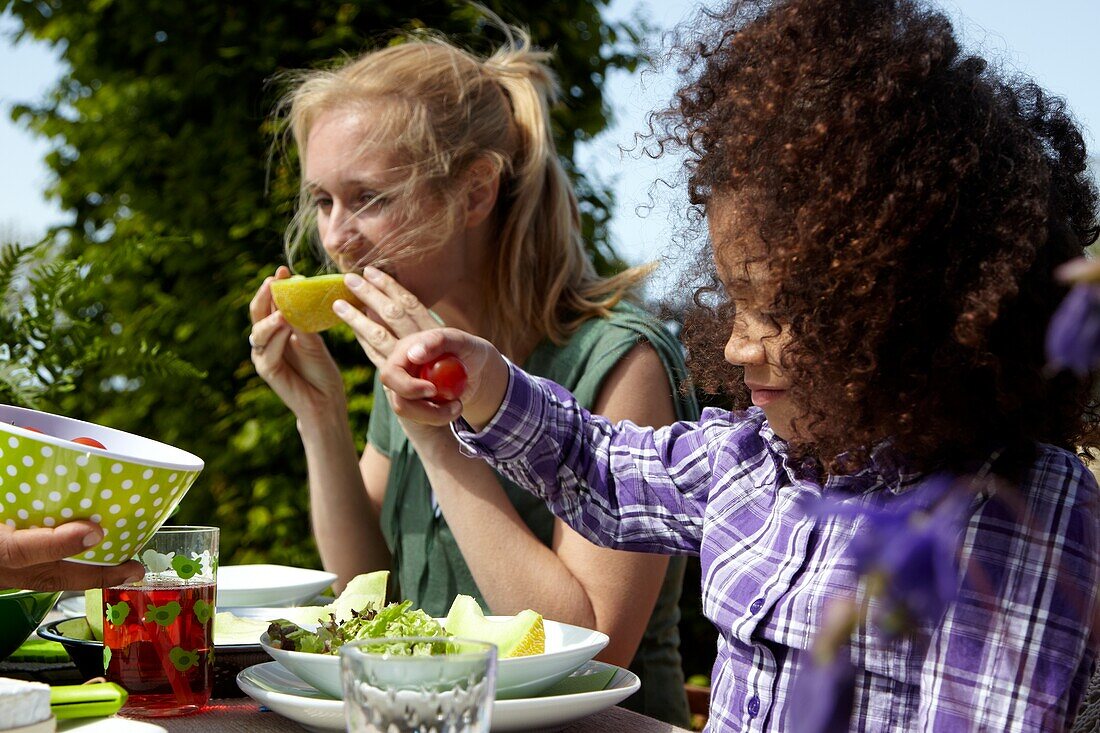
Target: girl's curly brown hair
[{"x": 916, "y": 203}]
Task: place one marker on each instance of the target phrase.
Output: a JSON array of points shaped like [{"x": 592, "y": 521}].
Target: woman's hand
[
  {"x": 34, "y": 559},
  {"x": 389, "y": 313},
  {"x": 297, "y": 365}
]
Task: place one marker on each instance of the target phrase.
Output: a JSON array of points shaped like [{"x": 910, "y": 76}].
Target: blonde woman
[{"x": 430, "y": 177}]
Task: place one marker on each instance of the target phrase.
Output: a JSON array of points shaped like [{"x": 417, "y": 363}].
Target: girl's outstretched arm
[{"x": 619, "y": 485}]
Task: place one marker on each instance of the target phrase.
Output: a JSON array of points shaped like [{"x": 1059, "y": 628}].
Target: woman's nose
[{"x": 338, "y": 229}]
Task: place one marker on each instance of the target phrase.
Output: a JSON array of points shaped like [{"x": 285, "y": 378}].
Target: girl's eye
[{"x": 322, "y": 202}]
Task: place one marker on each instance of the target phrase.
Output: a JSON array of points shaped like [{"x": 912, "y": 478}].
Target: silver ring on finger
[{"x": 256, "y": 348}]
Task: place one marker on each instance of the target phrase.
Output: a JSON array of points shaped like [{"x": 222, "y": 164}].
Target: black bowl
[{"x": 229, "y": 659}]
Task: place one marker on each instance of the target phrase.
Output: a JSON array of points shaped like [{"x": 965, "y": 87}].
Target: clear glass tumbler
[
  {"x": 444, "y": 686},
  {"x": 158, "y": 633}
]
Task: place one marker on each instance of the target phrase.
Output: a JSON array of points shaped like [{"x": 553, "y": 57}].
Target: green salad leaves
[{"x": 393, "y": 620}]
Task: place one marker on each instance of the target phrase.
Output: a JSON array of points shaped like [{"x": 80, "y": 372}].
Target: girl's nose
[{"x": 744, "y": 348}]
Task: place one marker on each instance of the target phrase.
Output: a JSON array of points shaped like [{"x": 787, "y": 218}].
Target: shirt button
[
  {"x": 754, "y": 706},
  {"x": 756, "y": 605}
]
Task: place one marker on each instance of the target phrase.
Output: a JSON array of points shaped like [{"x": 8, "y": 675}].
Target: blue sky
[{"x": 1055, "y": 42}]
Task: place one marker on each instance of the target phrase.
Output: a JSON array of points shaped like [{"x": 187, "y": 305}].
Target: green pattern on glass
[
  {"x": 106, "y": 657},
  {"x": 203, "y": 611},
  {"x": 117, "y": 613},
  {"x": 182, "y": 659},
  {"x": 186, "y": 568},
  {"x": 163, "y": 615}
]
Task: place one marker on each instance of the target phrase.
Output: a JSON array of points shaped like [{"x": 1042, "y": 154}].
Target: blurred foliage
[
  {"x": 52, "y": 334},
  {"x": 161, "y": 155}
]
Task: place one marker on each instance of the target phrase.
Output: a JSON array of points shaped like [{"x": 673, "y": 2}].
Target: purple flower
[
  {"x": 1073, "y": 336},
  {"x": 907, "y": 551},
  {"x": 826, "y": 693}
]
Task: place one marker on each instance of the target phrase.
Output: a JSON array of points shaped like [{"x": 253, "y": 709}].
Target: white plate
[
  {"x": 273, "y": 685},
  {"x": 269, "y": 585},
  {"x": 567, "y": 648}
]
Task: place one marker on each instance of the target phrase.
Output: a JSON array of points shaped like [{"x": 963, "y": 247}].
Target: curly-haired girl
[{"x": 885, "y": 213}]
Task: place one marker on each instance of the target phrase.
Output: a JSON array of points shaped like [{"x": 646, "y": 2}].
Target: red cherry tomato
[
  {"x": 448, "y": 374},
  {"x": 89, "y": 441}
]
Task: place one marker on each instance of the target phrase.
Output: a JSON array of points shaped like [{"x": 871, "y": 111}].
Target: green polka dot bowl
[{"x": 129, "y": 487}]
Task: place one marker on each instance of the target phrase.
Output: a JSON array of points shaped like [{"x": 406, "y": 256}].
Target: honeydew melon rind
[{"x": 520, "y": 635}]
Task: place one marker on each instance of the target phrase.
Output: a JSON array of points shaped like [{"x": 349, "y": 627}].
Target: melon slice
[
  {"x": 519, "y": 636},
  {"x": 230, "y": 629},
  {"x": 306, "y": 302},
  {"x": 93, "y": 611}
]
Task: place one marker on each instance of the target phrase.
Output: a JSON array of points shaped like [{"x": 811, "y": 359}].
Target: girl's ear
[{"x": 483, "y": 181}]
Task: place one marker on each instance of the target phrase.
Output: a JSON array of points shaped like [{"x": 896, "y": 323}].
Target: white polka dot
[
  {"x": 123, "y": 535},
  {"x": 94, "y": 478},
  {"x": 106, "y": 545},
  {"x": 25, "y": 488},
  {"x": 82, "y": 459},
  {"x": 47, "y": 451},
  {"x": 11, "y": 470},
  {"x": 115, "y": 509},
  {"x": 10, "y": 497},
  {"x": 85, "y": 503},
  {"x": 55, "y": 496},
  {"x": 135, "y": 499},
  {"x": 120, "y": 523},
  {"x": 142, "y": 525},
  {"x": 60, "y": 470},
  {"x": 1, "y": 508},
  {"x": 109, "y": 556},
  {"x": 89, "y": 554},
  {"x": 127, "y": 484},
  {"x": 42, "y": 478},
  {"x": 158, "y": 501},
  {"x": 28, "y": 461},
  {"x": 10, "y": 523},
  {"x": 74, "y": 487},
  {"x": 146, "y": 474},
  {"x": 154, "y": 488},
  {"x": 125, "y": 547},
  {"x": 105, "y": 494},
  {"x": 66, "y": 512},
  {"x": 116, "y": 468},
  {"x": 172, "y": 477},
  {"x": 49, "y": 521},
  {"x": 37, "y": 505},
  {"x": 97, "y": 518},
  {"x": 13, "y": 442},
  {"x": 140, "y": 512},
  {"x": 23, "y": 513}
]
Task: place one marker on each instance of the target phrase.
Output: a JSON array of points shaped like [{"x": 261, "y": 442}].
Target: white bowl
[
  {"x": 567, "y": 648},
  {"x": 242, "y": 586},
  {"x": 130, "y": 488}
]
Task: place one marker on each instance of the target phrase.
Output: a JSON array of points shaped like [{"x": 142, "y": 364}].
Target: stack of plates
[{"x": 306, "y": 687}]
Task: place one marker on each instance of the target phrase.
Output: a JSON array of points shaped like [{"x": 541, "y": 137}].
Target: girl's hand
[
  {"x": 297, "y": 365},
  {"x": 416, "y": 400}
]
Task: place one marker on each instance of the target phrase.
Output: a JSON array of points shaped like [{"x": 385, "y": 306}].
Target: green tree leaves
[{"x": 163, "y": 159}]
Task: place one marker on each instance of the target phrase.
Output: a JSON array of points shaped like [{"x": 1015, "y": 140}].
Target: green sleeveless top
[{"x": 428, "y": 565}]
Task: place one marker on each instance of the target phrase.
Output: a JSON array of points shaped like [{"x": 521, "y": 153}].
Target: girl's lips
[{"x": 764, "y": 397}]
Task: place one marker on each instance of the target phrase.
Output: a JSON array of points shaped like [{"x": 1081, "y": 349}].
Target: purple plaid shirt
[{"x": 1014, "y": 652}]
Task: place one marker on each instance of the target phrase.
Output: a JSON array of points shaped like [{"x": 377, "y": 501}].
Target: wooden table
[{"x": 244, "y": 716}]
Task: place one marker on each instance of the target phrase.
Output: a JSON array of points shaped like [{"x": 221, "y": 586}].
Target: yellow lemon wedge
[
  {"x": 518, "y": 636},
  {"x": 306, "y": 302}
]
